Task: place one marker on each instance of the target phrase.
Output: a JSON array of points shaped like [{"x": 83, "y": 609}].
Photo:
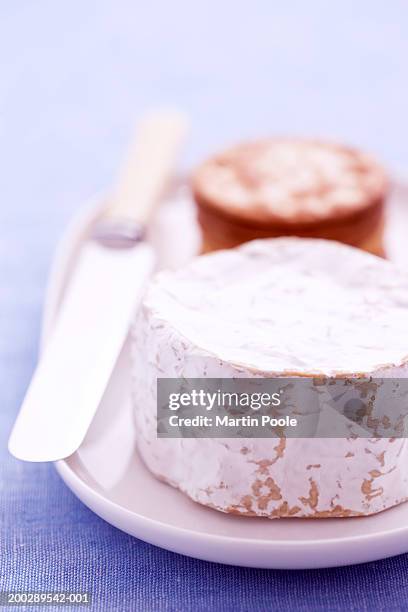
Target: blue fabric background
[{"x": 74, "y": 75}]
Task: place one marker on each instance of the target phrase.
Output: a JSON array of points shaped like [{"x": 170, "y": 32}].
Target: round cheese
[
  {"x": 289, "y": 180},
  {"x": 282, "y": 307}
]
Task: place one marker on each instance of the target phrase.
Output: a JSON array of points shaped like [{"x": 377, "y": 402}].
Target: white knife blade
[
  {"x": 101, "y": 298},
  {"x": 77, "y": 362}
]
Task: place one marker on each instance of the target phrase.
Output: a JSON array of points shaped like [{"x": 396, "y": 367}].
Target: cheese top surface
[
  {"x": 290, "y": 180},
  {"x": 288, "y": 306}
]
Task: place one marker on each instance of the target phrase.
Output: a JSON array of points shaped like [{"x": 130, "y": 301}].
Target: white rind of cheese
[{"x": 280, "y": 307}]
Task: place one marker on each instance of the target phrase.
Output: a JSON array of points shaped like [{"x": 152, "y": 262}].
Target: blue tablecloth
[{"x": 74, "y": 76}]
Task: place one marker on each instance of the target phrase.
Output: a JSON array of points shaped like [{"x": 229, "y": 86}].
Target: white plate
[{"x": 108, "y": 476}]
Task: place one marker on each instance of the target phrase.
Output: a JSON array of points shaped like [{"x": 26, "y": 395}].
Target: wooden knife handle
[{"x": 148, "y": 169}]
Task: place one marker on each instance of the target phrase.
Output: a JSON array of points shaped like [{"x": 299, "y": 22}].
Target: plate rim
[{"x": 65, "y": 470}]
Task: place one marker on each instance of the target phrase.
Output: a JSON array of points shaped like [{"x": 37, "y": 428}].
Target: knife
[{"x": 99, "y": 303}]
